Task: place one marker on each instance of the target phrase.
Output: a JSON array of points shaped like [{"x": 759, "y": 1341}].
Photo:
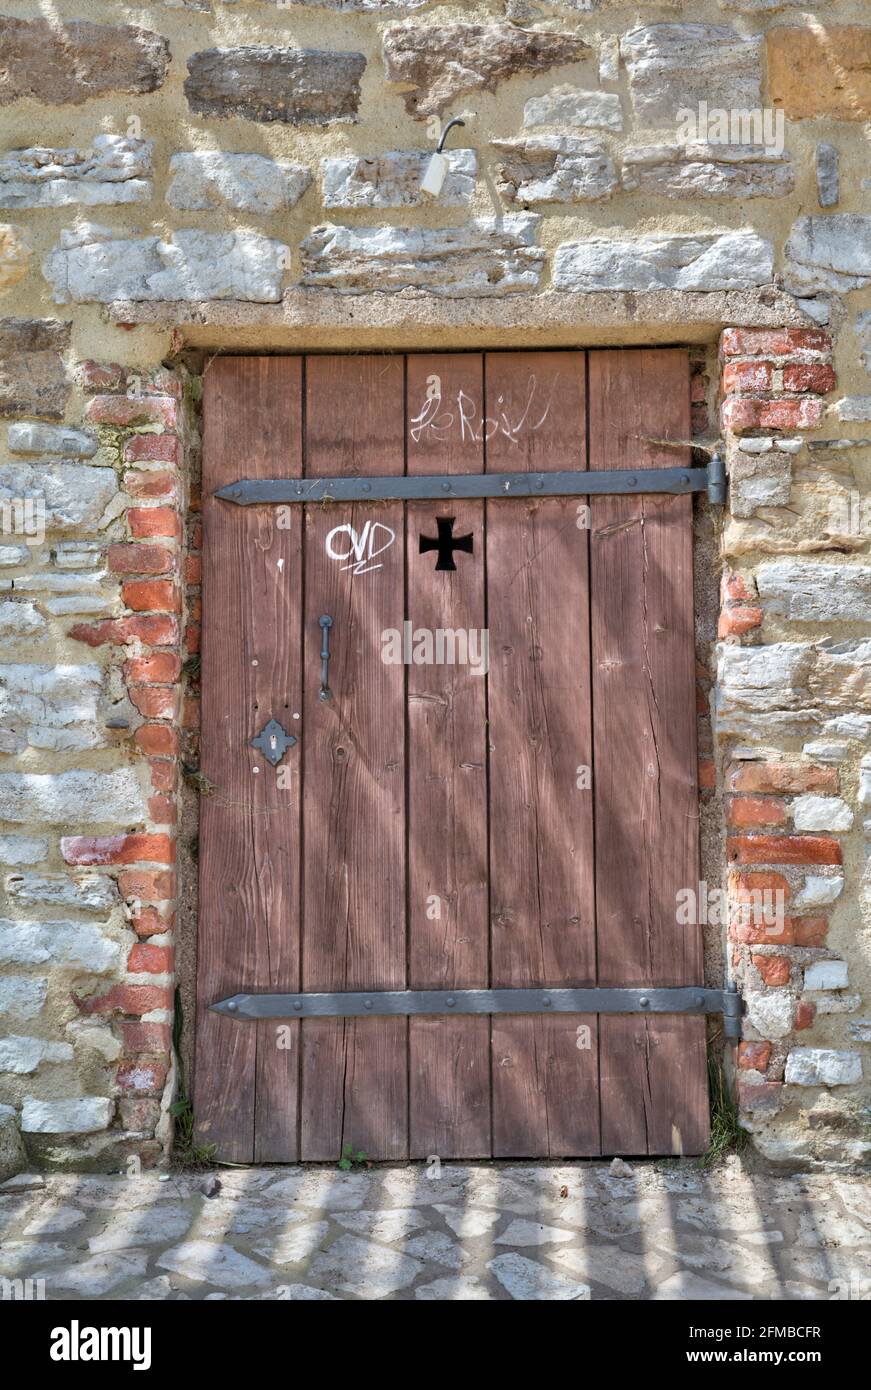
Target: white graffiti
[
  {"x": 359, "y": 551},
  {"x": 439, "y": 417}
]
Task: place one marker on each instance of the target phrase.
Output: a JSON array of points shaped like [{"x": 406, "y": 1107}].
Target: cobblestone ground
[{"x": 652, "y": 1231}]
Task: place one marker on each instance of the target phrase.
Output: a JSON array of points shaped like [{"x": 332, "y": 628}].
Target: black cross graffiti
[{"x": 445, "y": 543}]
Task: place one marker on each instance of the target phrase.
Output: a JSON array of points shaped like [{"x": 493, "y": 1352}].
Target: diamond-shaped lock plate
[{"x": 273, "y": 742}]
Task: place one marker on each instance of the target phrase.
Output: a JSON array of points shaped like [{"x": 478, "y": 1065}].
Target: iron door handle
[{"x": 326, "y": 623}]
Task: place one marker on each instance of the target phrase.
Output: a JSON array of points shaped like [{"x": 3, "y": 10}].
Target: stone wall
[{"x": 195, "y": 176}]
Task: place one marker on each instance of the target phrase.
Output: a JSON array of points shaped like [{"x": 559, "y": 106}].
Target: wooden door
[{"x": 522, "y": 817}]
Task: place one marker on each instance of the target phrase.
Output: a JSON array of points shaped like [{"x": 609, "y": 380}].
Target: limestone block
[
  {"x": 819, "y": 1066},
  {"x": 681, "y": 261},
  {"x": 393, "y": 179},
  {"x": 73, "y": 798},
  {"x": 486, "y": 257},
  {"x": 829, "y": 253},
  {"x": 264, "y": 83},
  {"x": 554, "y": 169},
  {"x": 821, "y": 70},
  {"x": 69, "y": 61},
  {"x": 78, "y": 1115},
  {"x": 699, "y": 170},
  {"x": 437, "y": 62},
  {"x": 674, "y": 66},
  {"x": 115, "y": 169},
  {"x": 99, "y": 264},
  {"x": 246, "y": 182}
]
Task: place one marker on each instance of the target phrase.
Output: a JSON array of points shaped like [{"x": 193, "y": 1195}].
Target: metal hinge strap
[
  {"x": 444, "y": 487},
  {"x": 688, "y": 999}
]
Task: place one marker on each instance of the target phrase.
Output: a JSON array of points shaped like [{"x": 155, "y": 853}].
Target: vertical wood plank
[
  {"x": 245, "y": 1096},
  {"x": 545, "y": 1077},
  {"x": 355, "y": 1071},
  {"x": 654, "y": 1085},
  {"x": 449, "y": 1069}
]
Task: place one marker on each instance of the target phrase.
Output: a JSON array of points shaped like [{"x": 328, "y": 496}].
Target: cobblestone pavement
[{"x": 648, "y": 1231}]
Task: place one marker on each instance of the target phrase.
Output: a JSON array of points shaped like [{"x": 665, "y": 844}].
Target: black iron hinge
[
  {"x": 439, "y": 486},
  {"x": 688, "y": 999}
]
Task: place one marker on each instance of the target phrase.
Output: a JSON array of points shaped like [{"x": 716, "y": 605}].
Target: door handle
[{"x": 326, "y": 623}]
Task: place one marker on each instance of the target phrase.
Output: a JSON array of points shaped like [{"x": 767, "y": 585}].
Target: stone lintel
[{"x": 408, "y": 320}]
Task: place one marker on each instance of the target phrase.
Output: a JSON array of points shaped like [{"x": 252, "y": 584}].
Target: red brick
[
  {"x": 784, "y": 849},
  {"x": 151, "y": 595},
  {"x": 778, "y": 342},
  {"x": 151, "y": 484},
  {"x": 735, "y": 589},
  {"x": 810, "y": 931},
  {"x": 757, "y": 881},
  {"x": 699, "y": 421},
  {"x": 160, "y": 668},
  {"x": 698, "y": 387},
  {"x": 155, "y": 631},
  {"x": 152, "y": 448},
  {"x": 809, "y": 376},
  {"x": 763, "y": 933},
  {"x": 139, "y": 1116},
  {"x": 707, "y": 774},
  {"x": 166, "y": 383},
  {"x": 749, "y": 412},
  {"x": 747, "y": 376},
  {"x": 146, "y": 1078},
  {"x": 197, "y": 536},
  {"x": 139, "y": 558},
  {"x": 145, "y": 1037},
  {"x": 154, "y": 521},
  {"x": 785, "y": 778},
  {"x": 773, "y": 969},
  {"x": 752, "y": 1056},
  {"x": 100, "y": 376},
  {"x": 152, "y": 960},
  {"x": 125, "y": 411},
  {"x": 155, "y": 701},
  {"x": 149, "y": 922},
  {"x": 753, "y": 811},
  {"x": 736, "y": 620},
  {"x": 193, "y": 569},
  {"x": 191, "y": 714},
  {"x": 117, "y": 849},
  {"x": 127, "y": 999},
  {"x": 162, "y": 810},
  {"x": 805, "y": 1013},
  {"x": 154, "y": 885},
  {"x": 192, "y": 639},
  {"x": 157, "y": 739},
  {"x": 761, "y": 1095},
  {"x": 791, "y": 931},
  {"x": 757, "y": 900},
  {"x": 163, "y": 775}
]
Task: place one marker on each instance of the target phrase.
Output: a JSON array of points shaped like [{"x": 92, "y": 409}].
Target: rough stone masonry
[{"x": 245, "y": 175}]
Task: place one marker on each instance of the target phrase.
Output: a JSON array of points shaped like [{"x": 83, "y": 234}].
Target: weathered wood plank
[
  {"x": 448, "y": 914},
  {"x": 654, "y": 1088},
  {"x": 245, "y": 1084},
  {"x": 354, "y": 1071},
  {"x": 545, "y": 1081}
]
